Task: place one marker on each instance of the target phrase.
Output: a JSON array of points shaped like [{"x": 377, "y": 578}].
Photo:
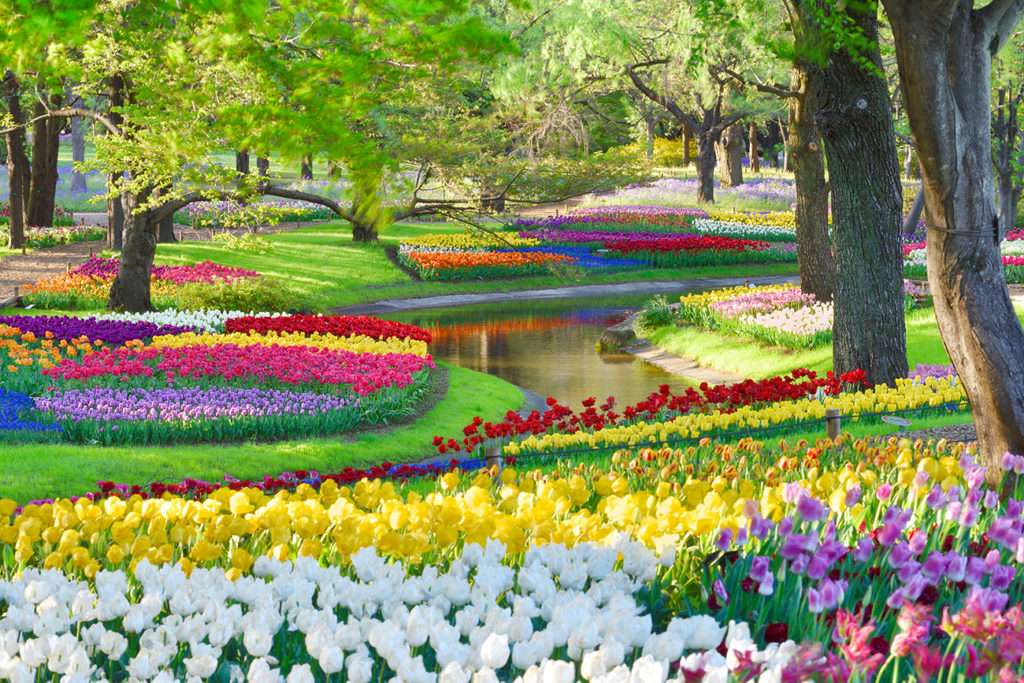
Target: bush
[
  {"x": 255, "y": 293},
  {"x": 666, "y": 152},
  {"x": 655, "y": 314}
]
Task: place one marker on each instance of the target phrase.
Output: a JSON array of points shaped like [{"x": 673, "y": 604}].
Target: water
[{"x": 546, "y": 347}]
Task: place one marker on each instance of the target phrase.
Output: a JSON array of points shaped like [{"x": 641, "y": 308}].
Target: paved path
[
  {"x": 573, "y": 292},
  {"x": 678, "y": 365}
]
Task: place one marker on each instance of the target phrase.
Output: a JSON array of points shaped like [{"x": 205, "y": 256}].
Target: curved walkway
[{"x": 571, "y": 292}]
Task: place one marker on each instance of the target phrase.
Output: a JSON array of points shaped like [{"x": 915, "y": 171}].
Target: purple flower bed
[
  {"x": 114, "y": 332},
  {"x": 141, "y": 415},
  {"x": 577, "y": 236},
  {"x": 923, "y": 371}
]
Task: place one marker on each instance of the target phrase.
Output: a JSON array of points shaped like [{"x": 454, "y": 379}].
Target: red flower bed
[
  {"x": 338, "y": 325},
  {"x": 658, "y": 405},
  {"x": 689, "y": 243}
]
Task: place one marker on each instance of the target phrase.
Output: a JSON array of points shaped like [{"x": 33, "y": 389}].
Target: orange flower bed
[{"x": 442, "y": 261}]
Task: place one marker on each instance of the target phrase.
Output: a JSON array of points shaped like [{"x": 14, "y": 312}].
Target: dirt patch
[{"x": 391, "y": 251}]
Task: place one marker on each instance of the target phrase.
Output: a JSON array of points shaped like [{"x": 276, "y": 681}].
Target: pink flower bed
[{"x": 762, "y": 301}]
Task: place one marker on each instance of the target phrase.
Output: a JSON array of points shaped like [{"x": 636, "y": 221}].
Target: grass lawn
[
  {"x": 758, "y": 361},
  {"x": 34, "y": 471},
  {"x": 322, "y": 262}
]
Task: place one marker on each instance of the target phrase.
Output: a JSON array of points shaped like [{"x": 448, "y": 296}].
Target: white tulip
[
  {"x": 261, "y": 672},
  {"x": 552, "y": 671},
  {"x": 593, "y": 665},
  {"x": 485, "y": 675},
  {"x": 494, "y": 652},
  {"x": 360, "y": 669},
  {"x": 113, "y": 644},
  {"x": 258, "y": 643},
  {"x": 202, "y": 666},
  {"x": 300, "y": 673},
  {"x": 454, "y": 673},
  {"x": 331, "y": 658}
]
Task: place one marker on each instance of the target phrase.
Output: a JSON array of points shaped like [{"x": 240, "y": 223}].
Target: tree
[
  {"x": 945, "y": 51},
  {"x": 1006, "y": 130},
  {"x": 854, "y": 117}
]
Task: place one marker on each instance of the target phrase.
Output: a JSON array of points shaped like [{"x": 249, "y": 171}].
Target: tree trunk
[
  {"x": 130, "y": 289},
  {"x": 730, "y": 156},
  {"x": 945, "y": 65},
  {"x": 263, "y": 167},
  {"x": 242, "y": 162},
  {"x": 649, "y": 125},
  {"x": 306, "y": 170},
  {"x": 333, "y": 170},
  {"x": 753, "y": 152},
  {"x": 165, "y": 226},
  {"x": 908, "y": 161},
  {"x": 705, "y": 167},
  {"x": 363, "y": 232},
  {"x": 1004, "y": 135},
  {"x": 79, "y": 182},
  {"x": 17, "y": 163},
  {"x": 787, "y": 163},
  {"x": 910, "y": 222},
  {"x": 687, "y": 138},
  {"x": 813, "y": 246},
  {"x": 115, "y": 208},
  {"x": 45, "y": 146},
  {"x": 854, "y": 118}
]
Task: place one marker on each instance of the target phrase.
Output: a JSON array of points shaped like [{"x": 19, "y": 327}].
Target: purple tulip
[
  {"x": 936, "y": 498},
  {"x": 759, "y": 568},
  {"x": 724, "y": 539},
  {"x": 1002, "y": 577}
]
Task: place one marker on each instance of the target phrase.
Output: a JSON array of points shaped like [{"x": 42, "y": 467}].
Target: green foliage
[
  {"x": 655, "y": 314},
  {"x": 243, "y": 294},
  {"x": 670, "y": 153},
  {"x": 245, "y": 242}
]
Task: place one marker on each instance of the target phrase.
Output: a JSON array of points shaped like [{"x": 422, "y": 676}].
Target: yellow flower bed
[
  {"x": 355, "y": 343},
  {"x": 705, "y": 299},
  {"x": 781, "y": 219},
  {"x": 471, "y": 240},
  {"x": 655, "y": 496},
  {"x": 880, "y": 398}
]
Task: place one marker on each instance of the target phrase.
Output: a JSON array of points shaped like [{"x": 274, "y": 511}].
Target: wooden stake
[{"x": 832, "y": 423}]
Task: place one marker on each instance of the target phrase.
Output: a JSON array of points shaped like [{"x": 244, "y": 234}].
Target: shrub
[{"x": 655, "y": 314}]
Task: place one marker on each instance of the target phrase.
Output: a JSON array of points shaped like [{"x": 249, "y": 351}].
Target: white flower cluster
[
  {"x": 708, "y": 226},
  {"x": 1011, "y": 247},
  {"x": 205, "y": 320},
  {"x": 916, "y": 257},
  {"x": 405, "y": 249},
  {"x": 563, "y": 615}
]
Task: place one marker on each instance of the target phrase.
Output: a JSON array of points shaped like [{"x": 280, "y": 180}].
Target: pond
[{"x": 547, "y": 347}]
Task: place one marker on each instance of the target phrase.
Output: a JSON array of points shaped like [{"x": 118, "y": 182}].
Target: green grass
[
  {"x": 757, "y": 361},
  {"x": 323, "y": 263},
  {"x": 33, "y": 471}
]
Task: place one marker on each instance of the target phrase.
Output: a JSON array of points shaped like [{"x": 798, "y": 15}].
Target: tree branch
[
  {"x": 776, "y": 90},
  {"x": 67, "y": 113},
  {"x": 997, "y": 20},
  {"x": 653, "y": 95}
]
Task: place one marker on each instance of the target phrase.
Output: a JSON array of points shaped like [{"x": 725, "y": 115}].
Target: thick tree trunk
[
  {"x": 787, "y": 162},
  {"x": 263, "y": 167},
  {"x": 165, "y": 226},
  {"x": 242, "y": 162},
  {"x": 730, "y": 156},
  {"x": 363, "y": 232},
  {"x": 813, "y": 246},
  {"x": 773, "y": 138},
  {"x": 306, "y": 170},
  {"x": 79, "y": 182},
  {"x": 945, "y": 65},
  {"x": 854, "y": 118},
  {"x": 45, "y": 146},
  {"x": 17, "y": 163},
  {"x": 333, "y": 170},
  {"x": 752, "y": 151},
  {"x": 687, "y": 138},
  {"x": 130, "y": 290},
  {"x": 910, "y": 222},
  {"x": 705, "y": 167}
]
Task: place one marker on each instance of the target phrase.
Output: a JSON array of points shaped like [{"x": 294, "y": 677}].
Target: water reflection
[{"x": 547, "y": 347}]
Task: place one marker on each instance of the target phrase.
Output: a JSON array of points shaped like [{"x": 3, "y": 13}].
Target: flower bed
[
  {"x": 636, "y": 561},
  {"x": 202, "y": 285},
  {"x": 41, "y": 238},
  {"x": 477, "y": 265},
  {"x": 775, "y": 314},
  {"x": 144, "y": 383},
  {"x": 233, "y": 214},
  {"x": 61, "y": 217}
]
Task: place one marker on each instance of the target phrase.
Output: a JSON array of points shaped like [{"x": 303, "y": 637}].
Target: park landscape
[{"x": 373, "y": 408}]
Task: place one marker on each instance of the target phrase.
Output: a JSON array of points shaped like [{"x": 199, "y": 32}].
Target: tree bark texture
[
  {"x": 306, "y": 169},
  {"x": 945, "y": 64},
  {"x": 730, "y": 156},
  {"x": 705, "y": 167},
  {"x": 263, "y": 167},
  {"x": 18, "y": 175},
  {"x": 78, "y": 179},
  {"x": 687, "y": 137},
  {"x": 130, "y": 290},
  {"x": 753, "y": 152},
  {"x": 908, "y": 160},
  {"x": 45, "y": 147},
  {"x": 813, "y": 245},
  {"x": 855, "y": 122},
  {"x": 165, "y": 225}
]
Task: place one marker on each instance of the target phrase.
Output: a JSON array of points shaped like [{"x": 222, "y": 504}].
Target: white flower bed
[
  {"x": 206, "y": 320},
  {"x": 707, "y": 226},
  {"x": 563, "y": 615}
]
